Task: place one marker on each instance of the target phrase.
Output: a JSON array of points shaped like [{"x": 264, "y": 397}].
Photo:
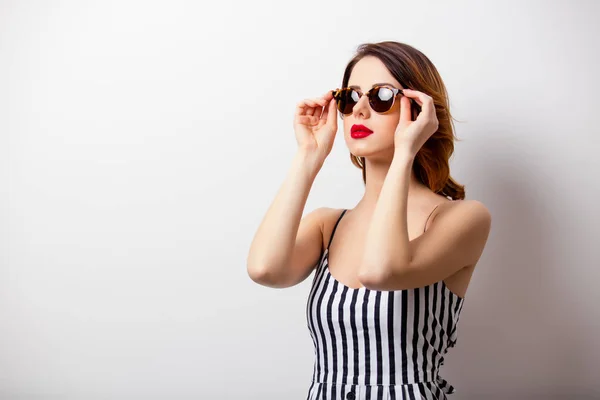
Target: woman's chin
[{"x": 371, "y": 153}]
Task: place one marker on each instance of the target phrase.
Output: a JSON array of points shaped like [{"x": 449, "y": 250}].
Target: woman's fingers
[
  {"x": 308, "y": 108},
  {"x": 423, "y": 100},
  {"x": 305, "y": 107},
  {"x": 327, "y": 109},
  {"x": 315, "y": 106},
  {"x": 307, "y": 119},
  {"x": 332, "y": 113},
  {"x": 324, "y": 113}
]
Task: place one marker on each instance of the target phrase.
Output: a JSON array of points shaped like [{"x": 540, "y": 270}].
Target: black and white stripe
[{"x": 379, "y": 344}]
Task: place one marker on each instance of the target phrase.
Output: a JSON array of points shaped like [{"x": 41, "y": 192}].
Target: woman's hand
[
  {"x": 315, "y": 124},
  {"x": 410, "y": 136}
]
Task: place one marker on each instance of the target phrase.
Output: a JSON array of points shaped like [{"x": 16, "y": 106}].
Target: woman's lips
[
  {"x": 359, "y": 131},
  {"x": 360, "y": 134}
]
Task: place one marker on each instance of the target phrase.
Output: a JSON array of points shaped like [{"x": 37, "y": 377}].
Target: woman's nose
[{"x": 362, "y": 106}]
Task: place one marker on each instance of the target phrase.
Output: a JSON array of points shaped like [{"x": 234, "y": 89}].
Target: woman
[{"x": 386, "y": 298}]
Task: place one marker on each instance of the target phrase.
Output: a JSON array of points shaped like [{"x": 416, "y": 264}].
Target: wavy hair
[{"x": 412, "y": 69}]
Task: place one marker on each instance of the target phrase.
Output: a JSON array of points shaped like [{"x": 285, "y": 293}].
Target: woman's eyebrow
[{"x": 375, "y": 84}]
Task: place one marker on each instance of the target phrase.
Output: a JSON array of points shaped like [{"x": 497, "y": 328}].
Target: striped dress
[{"x": 379, "y": 345}]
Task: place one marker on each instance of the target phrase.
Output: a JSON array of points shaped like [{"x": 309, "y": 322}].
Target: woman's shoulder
[
  {"x": 331, "y": 215},
  {"x": 447, "y": 206},
  {"x": 327, "y": 216},
  {"x": 472, "y": 204},
  {"x": 468, "y": 208}
]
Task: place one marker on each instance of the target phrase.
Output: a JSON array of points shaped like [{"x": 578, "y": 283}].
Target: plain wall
[{"x": 141, "y": 143}]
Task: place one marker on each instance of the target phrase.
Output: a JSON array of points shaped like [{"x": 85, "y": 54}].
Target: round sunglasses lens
[
  {"x": 382, "y": 99},
  {"x": 347, "y": 100}
]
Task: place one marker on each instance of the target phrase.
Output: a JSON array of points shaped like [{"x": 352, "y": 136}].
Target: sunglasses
[{"x": 381, "y": 98}]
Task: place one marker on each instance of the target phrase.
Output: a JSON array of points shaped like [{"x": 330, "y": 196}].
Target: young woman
[{"x": 387, "y": 293}]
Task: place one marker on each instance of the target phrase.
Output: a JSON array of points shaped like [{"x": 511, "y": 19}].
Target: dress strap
[
  {"x": 335, "y": 227},
  {"x": 425, "y": 228}
]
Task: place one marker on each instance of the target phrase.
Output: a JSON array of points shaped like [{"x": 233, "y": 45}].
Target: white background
[{"x": 142, "y": 142}]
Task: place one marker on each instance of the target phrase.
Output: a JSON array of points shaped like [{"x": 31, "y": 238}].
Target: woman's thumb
[{"x": 332, "y": 113}]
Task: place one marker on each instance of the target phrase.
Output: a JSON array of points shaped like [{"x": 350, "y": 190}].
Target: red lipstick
[{"x": 359, "y": 131}]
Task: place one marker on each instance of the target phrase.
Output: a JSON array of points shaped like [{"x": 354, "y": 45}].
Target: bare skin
[
  {"x": 378, "y": 150},
  {"x": 346, "y": 247}
]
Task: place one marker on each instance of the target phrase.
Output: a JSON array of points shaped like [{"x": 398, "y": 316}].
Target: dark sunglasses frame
[{"x": 370, "y": 94}]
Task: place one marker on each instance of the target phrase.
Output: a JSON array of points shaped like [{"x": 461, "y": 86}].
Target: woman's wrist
[{"x": 308, "y": 161}]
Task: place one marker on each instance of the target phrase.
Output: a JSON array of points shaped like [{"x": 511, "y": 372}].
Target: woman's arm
[
  {"x": 272, "y": 248},
  {"x": 392, "y": 262}
]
